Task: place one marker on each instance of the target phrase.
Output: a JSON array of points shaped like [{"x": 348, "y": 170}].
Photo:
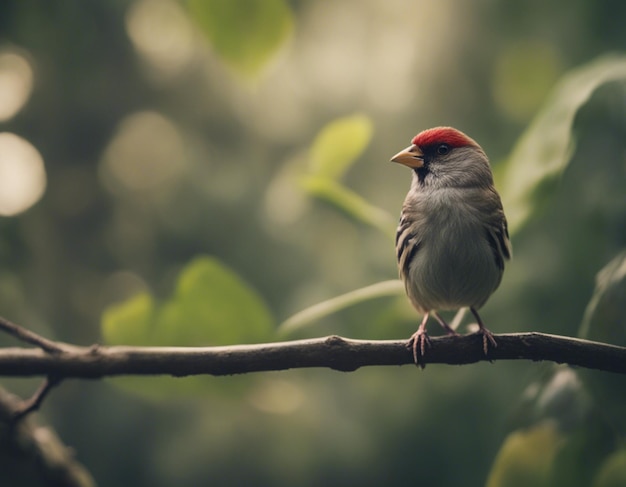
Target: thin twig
[
  {"x": 28, "y": 336},
  {"x": 34, "y": 402}
]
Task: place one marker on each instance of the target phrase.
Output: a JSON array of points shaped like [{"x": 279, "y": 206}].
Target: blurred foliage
[
  {"x": 158, "y": 150},
  {"x": 210, "y": 306},
  {"x": 605, "y": 321},
  {"x": 526, "y": 458},
  {"x": 338, "y": 145},
  {"x": 315, "y": 313},
  {"x": 335, "y": 148},
  {"x": 576, "y": 416},
  {"x": 245, "y": 33},
  {"x": 544, "y": 150},
  {"x": 523, "y": 74},
  {"x": 350, "y": 203},
  {"x": 613, "y": 471}
]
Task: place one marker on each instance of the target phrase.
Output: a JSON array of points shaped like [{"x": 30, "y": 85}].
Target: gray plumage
[{"x": 452, "y": 239}]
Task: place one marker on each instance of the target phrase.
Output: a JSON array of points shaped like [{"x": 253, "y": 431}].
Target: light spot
[
  {"x": 285, "y": 202},
  {"x": 161, "y": 34},
  {"x": 146, "y": 153},
  {"x": 277, "y": 396},
  {"x": 16, "y": 83},
  {"x": 22, "y": 174}
]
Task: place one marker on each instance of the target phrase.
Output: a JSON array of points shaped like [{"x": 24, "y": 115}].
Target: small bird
[{"x": 452, "y": 239}]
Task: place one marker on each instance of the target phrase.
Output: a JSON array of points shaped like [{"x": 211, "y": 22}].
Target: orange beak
[{"x": 412, "y": 157}]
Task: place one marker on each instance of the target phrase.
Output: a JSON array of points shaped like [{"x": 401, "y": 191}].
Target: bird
[{"x": 452, "y": 240}]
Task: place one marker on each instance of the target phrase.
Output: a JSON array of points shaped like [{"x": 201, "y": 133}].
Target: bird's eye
[{"x": 443, "y": 149}]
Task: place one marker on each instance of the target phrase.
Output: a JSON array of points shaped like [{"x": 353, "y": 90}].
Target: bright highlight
[{"x": 22, "y": 174}]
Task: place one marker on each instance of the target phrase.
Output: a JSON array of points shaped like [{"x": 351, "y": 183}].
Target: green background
[{"x": 214, "y": 167}]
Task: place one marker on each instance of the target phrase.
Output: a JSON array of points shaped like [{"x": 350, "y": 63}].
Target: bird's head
[{"x": 444, "y": 156}]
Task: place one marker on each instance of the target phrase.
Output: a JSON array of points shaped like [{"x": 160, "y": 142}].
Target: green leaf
[
  {"x": 526, "y": 457},
  {"x": 246, "y": 34},
  {"x": 318, "y": 311},
  {"x": 613, "y": 471},
  {"x": 210, "y": 306},
  {"x": 350, "y": 203},
  {"x": 605, "y": 321},
  {"x": 335, "y": 148},
  {"x": 584, "y": 451},
  {"x": 130, "y": 322},
  {"x": 558, "y": 406},
  {"x": 543, "y": 152},
  {"x": 339, "y": 144},
  {"x": 213, "y": 306}
]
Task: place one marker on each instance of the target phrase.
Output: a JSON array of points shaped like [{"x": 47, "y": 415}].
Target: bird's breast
[{"x": 454, "y": 265}]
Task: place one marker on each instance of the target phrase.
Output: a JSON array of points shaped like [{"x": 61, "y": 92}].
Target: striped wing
[{"x": 407, "y": 244}]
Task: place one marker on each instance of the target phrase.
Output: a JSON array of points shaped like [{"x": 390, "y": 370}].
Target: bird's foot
[
  {"x": 488, "y": 339},
  {"x": 487, "y": 335},
  {"x": 418, "y": 343}
]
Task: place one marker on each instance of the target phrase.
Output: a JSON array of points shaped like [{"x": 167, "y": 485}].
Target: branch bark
[{"x": 332, "y": 352}]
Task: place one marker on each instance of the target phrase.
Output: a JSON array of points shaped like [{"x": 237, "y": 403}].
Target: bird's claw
[
  {"x": 488, "y": 339},
  {"x": 418, "y": 343}
]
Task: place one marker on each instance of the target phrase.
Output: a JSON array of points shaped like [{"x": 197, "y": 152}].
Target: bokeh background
[{"x": 138, "y": 136}]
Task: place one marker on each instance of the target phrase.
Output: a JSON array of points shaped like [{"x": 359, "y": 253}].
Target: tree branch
[
  {"x": 34, "y": 402},
  {"x": 332, "y": 352},
  {"x": 35, "y": 452},
  {"x": 28, "y": 336}
]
